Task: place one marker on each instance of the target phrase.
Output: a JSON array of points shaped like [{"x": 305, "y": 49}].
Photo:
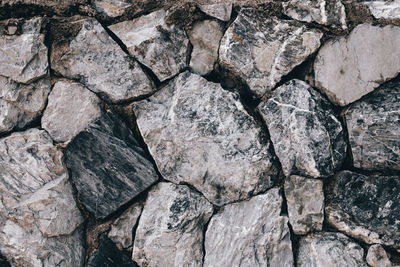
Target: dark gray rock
[{"x": 58, "y": 7}]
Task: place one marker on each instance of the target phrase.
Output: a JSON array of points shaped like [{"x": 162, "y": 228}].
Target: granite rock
[
  {"x": 384, "y": 9},
  {"x": 377, "y": 257},
  {"x": 221, "y": 11}
]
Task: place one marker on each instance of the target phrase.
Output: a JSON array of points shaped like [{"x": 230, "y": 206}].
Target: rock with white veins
[
  {"x": 221, "y": 11},
  {"x": 384, "y": 9},
  {"x": 261, "y": 49},
  {"x": 249, "y": 233},
  {"x": 377, "y": 257},
  {"x": 307, "y": 137},
  {"x": 350, "y": 67},
  {"x": 200, "y": 134},
  {"x": 170, "y": 230}
]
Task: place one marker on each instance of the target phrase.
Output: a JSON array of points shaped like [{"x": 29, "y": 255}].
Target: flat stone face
[
  {"x": 374, "y": 129},
  {"x": 384, "y": 9},
  {"x": 249, "y": 233},
  {"x": 366, "y": 207},
  {"x": 261, "y": 49},
  {"x": 200, "y": 134},
  {"x": 162, "y": 48},
  {"x": 220, "y": 11},
  {"x": 107, "y": 165},
  {"x": 377, "y": 257},
  {"x": 170, "y": 231},
  {"x": 350, "y": 67},
  {"x": 307, "y": 137}
]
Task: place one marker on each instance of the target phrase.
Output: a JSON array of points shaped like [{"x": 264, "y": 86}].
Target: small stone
[
  {"x": 384, "y": 9},
  {"x": 219, "y": 11},
  {"x": 377, "y": 257},
  {"x": 112, "y": 8},
  {"x": 170, "y": 231},
  {"x": 350, "y": 67},
  {"x": 305, "y": 201},
  {"x": 307, "y": 137}
]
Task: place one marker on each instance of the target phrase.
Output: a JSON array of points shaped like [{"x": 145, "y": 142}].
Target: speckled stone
[
  {"x": 221, "y": 11},
  {"x": 377, "y": 257},
  {"x": 384, "y": 9}
]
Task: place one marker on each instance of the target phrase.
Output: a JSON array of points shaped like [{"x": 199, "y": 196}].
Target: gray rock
[
  {"x": 350, "y": 67},
  {"x": 71, "y": 107},
  {"x": 377, "y": 257},
  {"x": 170, "y": 231},
  {"x": 58, "y": 7},
  {"x": 249, "y": 233},
  {"x": 221, "y": 11},
  {"x": 200, "y": 134},
  {"x": 307, "y": 137},
  {"x": 329, "y": 249},
  {"x": 261, "y": 49},
  {"x": 374, "y": 129},
  {"x": 112, "y": 8},
  {"x": 384, "y": 9},
  {"x": 366, "y": 207},
  {"x": 305, "y": 202},
  {"x": 162, "y": 48}
]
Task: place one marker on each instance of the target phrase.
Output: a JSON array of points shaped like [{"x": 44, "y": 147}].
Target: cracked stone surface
[
  {"x": 112, "y": 8},
  {"x": 58, "y": 7},
  {"x": 221, "y": 11},
  {"x": 377, "y": 257},
  {"x": 384, "y": 9}
]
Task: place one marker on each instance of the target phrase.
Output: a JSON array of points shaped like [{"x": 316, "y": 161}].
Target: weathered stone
[
  {"x": 384, "y": 9},
  {"x": 350, "y": 67},
  {"x": 366, "y": 207},
  {"x": 307, "y": 137},
  {"x": 305, "y": 201},
  {"x": 170, "y": 231},
  {"x": 329, "y": 249},
  {"x": 162, "y": 48},
  {"x": 377, "y": 257},
  {"x": 261, "y": 49},
  {"x": 374, "y": 129},
  {"x": 71, "y": 107},
  {"x": 58, "y": 7},
  {"x": 112, "y": 8},
  {"x": 200, "y": 134},
  {"x": 249, "y": 233},
  {"x": 220, "y": 11}
]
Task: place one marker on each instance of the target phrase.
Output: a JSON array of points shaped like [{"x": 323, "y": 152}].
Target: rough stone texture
[
  {"x": 94, "y": 59},
  {"x": 107, "y": 165},
  {"x": 307, "y": 137},
  {"x": 366, "y": 207},
  {"x": 350, "y": 67},
  {"x": 384, "y": 9},
  {"x": 200, "y": 134},
  {"x": 220, "y": 11},
  {"x": 58, "y": 7},
  {"x": 249, "y": 233},
  {"x": 112, "y": 8},
  {"x": 330, "y": 249},
  {"x": 374, "y": 129},
  {"x": 38, "y": 214},
  {"x": 170, "y": 231},
  {"x": 377, "y": 257},
  {"x": 261, "y": 49},
  {"x": 162, "y": 48},
  {"x": 305, "y": 202}
]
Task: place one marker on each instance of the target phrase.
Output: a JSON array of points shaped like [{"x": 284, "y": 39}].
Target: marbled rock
[
  {"x": 330, "y": 249},
  {"x": 93, "y": 58},
  {"x": 58, "y": 7},
  {"x": 71, "y": 107},
  {"x": 107, "y": 165},
  {"x": 307, "y": 137},
  {"x": 249, "y": 233},
  {"x": 366, "y": 207},
  {"x": 377, "y": 257},
  {"x": 221, "y": 11},
  {"x": 170, "y": 231},
  {"x": 350, "y": 67},
  {"x": 384, "y": 9},
  {"x": 162, "y": 48},
  {"x": 200, "y": 134},
  {"x": 374, "y": 129},
  {"x": 305, "y": 201},
  {"x": 261, "y": 49}
]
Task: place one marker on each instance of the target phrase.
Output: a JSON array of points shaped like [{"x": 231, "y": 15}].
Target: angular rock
[
  {"x": 71, "y": 107},
  {"x": 307, "y": 137},
  {"x": 221, "y": 11},
  {"x": 112, "y": 8},
  {"x": 384, "y": 9},
  {"x": 170, "y": 231},
  {"x": 108, "y": 166},
  {"x": 162, "y": 48},
  {"x": 261, "y": 49},
  {"x": 377, "y": 257},
  {"x": 249, "y": 233},
  {"x": 329, "y": 249},
  {"x": 374, "y": 129},
  {"x": 305, "y": 202},
  {"x": 366, "y": 207},
  {"x": 200, "y": 134},
  {"x": 350, "y": 67},
  {"x": 58, "y": 7}
]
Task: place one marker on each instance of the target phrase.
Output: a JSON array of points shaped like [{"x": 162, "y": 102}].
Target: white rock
[
  {"x": 384, "y": 9},
  {"x": 377, "y": 257},
  {"x": 221, "y": 11}
]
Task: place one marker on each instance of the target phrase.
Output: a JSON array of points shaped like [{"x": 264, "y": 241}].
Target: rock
[
  {"x": 365, "y": 207},
  {"x": 200, "y": 134},
  {"x": 162, "y": 48},
  {"x": 112, "y": 8},
  {"x": 384, "y": 9},
  {"x": 377, "y": 257},
  {"x": 305, "y": 201},
  {"x": 373, "y": 125},
  {"x": 262, "y": 49},
  {"x": 170, "y": 231},
  {"x": 71, "y": 107},
  {"x": 59, "y": 7},
  {"x": 220, "y": 11},
  {"x": 329, "y": 249},
  {"x": 108, "y": 166},
  {"x": 249, "y": 233},
  {"x": 205, "y": 37},
  {"x": 95, "y": 60},
  {"x": 307, "y": 137},
  {"x": 350, "y": 67}
]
